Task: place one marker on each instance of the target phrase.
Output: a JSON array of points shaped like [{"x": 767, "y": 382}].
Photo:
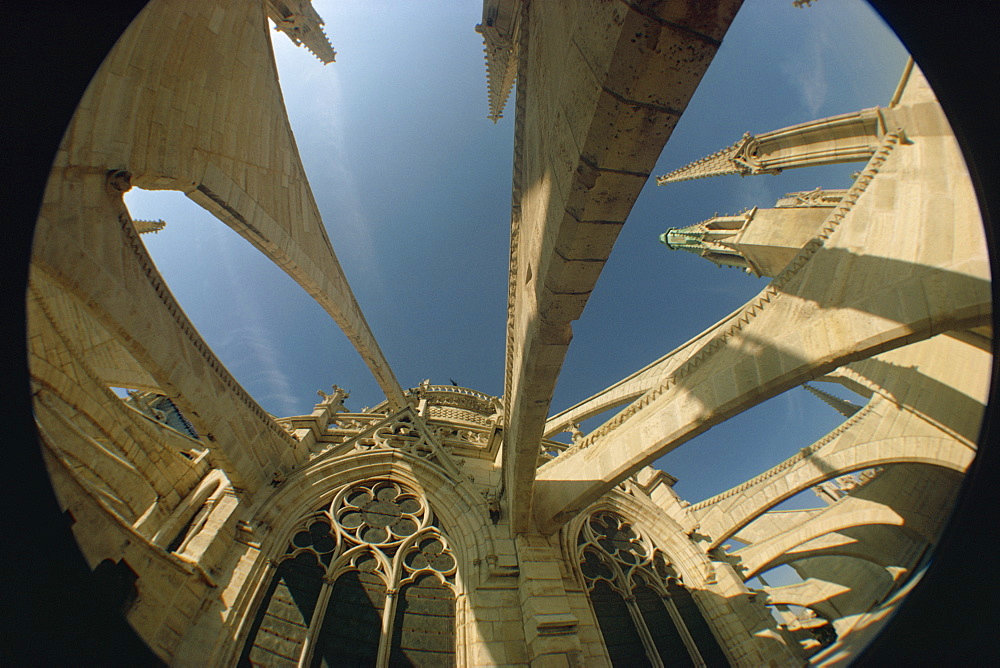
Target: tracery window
[
  {"x": 371, "y": 560},
  {"x": 646, "y": 615}
]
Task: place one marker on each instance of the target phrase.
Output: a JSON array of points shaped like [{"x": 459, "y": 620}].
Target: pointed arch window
[
  {"x": 366, "y": 580},
  {"x": 646, "y": 616}
]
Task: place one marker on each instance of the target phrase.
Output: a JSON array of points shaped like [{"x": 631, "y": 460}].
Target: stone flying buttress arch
[
  {"x": 95, "y": 255},
  {"x": 761, "y": 556},
  {"x": 151, "y": 123},
  {"x": 820, "y": 313},
  {"x": 574, "y": 189},
  {"x": 883, "y": 550},
  {"x": 858, "y": 446},
  {"x": 635, "y": 385}
]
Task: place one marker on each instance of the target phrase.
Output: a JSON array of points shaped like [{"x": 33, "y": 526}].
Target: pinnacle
[
  {"x": 716, "y": 164},
  {"x": 842, "y": 406}
]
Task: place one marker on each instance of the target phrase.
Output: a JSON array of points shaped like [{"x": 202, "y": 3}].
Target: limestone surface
[{"x": 446, "y": 526}]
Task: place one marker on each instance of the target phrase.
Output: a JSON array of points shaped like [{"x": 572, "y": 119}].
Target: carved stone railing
[
  {"x": 452, "y": 396},
  {"x": 425, "y": 390},
  {"x": 354, "y": 421}
]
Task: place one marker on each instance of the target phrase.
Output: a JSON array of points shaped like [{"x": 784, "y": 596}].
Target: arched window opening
[
  {"x": 162, "y": 409},
  {"x": 386, "y": 584},
  {"x": 646, "y": 616},
  {"x": 278, "y": 631},
  {"x": 115, "y": 583},
  {"x": 182, "y": 535},
  {"x": 621, "y": 636},
  {"x": 424, "y": 628},
  {"x": 662, "y": 628},
  {"x": 353, "y": 621}
]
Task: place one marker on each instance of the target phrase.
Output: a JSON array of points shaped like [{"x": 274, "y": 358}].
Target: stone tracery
[
  {"x": 630, "y": 582},
  {"x": 378, "y": 539}
]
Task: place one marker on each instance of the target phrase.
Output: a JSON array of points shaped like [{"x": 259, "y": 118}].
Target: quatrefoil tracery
[
  {"x": 317, "y": 536},
  {"x": 595, "y": 567},
  {"x": 663, "y": 568},
  {"x": 398, "y": 433},
  {"x": 430, "y": 554}
]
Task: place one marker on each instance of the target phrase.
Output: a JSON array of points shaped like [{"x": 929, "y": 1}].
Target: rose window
[{"x": 380, "y": 513}]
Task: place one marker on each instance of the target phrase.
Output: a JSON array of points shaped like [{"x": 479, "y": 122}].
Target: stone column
[{"x": 550, "y": 627}]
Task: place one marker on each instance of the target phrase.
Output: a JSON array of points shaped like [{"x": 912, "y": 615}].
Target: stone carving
[
  {"x": 299, "y": 21},
  {"x": 501, "y": 36},
  {"x": 148, "y": 226},
  {"x": 377, "y": 525},
  {"x": 119, "y": 181},
  {"x": 818, "y": 197},
  {"x": 470, "y": 436},
  {"x": 334, "y": 400},
  {"x": 574, "y": 429}
]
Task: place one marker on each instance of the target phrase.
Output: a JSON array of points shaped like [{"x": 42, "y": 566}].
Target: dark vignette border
[{"x": 51, "y": 613}]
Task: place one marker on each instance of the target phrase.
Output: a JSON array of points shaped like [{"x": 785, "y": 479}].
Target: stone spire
[
  {"x": 759, "y": 241},
  {"x": 736, "y": 159},
  {"x": 500, "y": 29},
  {"x": 845, "y": 138},
  {"x": 711, "y": 239},
  {"x": 147, "y": 226},
  {"x": 842, "y": 406},
  {"x": 298, "y": 20}
]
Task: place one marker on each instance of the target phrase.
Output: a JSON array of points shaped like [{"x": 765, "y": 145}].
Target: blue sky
[{"x": 413, "y": 183}]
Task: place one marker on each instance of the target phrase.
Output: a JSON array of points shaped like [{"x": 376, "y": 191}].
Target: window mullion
[
  {"x": 388, "y": 615},
  {"x": 644, "y": 634},
  {"x": 461, "y": 645},
  {"x": 316, "y": 623},
  {"x": 685, "y": 635}
]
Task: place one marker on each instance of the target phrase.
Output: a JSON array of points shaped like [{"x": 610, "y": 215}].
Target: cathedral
[{"x": 445, "y": 526}]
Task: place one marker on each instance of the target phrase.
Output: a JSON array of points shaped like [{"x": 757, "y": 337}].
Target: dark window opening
[{"x": 115, "y": 585}]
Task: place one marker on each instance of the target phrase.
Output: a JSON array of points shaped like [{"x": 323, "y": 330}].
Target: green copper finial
[{"x": 688, "y": 239}]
